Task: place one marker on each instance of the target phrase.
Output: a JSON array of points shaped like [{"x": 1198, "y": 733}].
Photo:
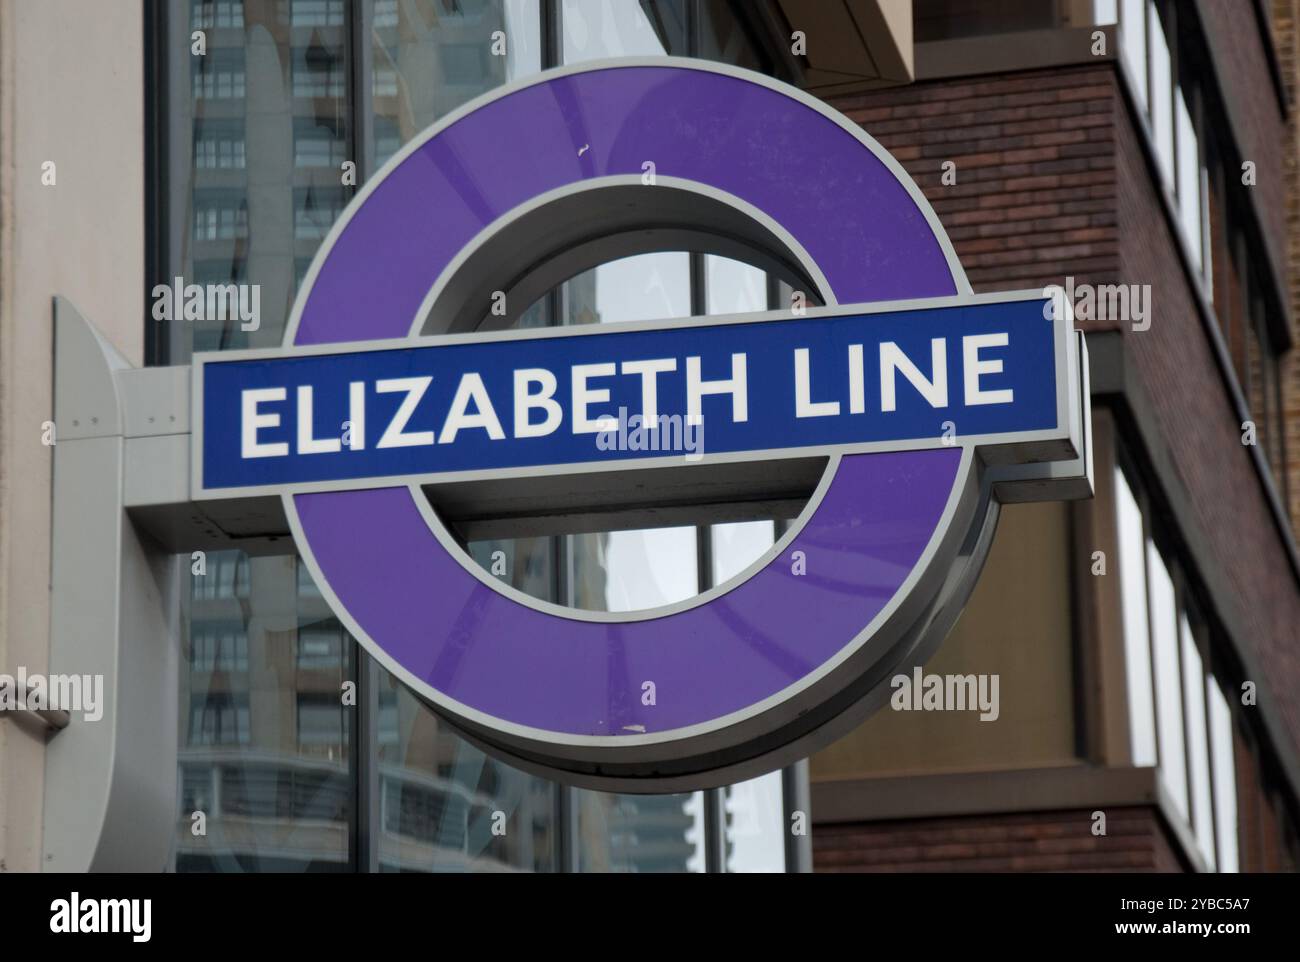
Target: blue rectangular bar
[{"x": 465, "y": 405}]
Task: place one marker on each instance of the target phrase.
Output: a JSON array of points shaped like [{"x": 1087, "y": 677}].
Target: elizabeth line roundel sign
[{"x": 926, "y": 403}]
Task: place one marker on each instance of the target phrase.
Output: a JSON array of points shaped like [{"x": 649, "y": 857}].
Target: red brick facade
[
  {"x": 1052, "y": 179},
  {"x": 1035, "y": 169},
  {"x": 1285, "y": 20},
  {"x": 1135, "y": 841}
]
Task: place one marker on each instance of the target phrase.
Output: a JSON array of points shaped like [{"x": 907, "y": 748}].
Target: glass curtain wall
[{"x": 298, "y": 752}]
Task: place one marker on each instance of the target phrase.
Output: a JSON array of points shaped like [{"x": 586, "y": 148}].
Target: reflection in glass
[
  {"x": 631, "y": 570},
  {"x": 259, "y": 128},
  {"x": 738, "y": 545},
  {"x": 258, "y": 132},
  {"x": 733, "y": 287},
  {"x": 756, "y": 825},
  {"x": 594, "y": 29},
  {"x": 524, "y": 563},
  {"x": 429, "y": 58},
  {"x": 265, "y": 746},
  {"x": 726, "y": 39},
  {"x": 647, "y": 287},
  {"x": 640, "y": 833},
  {"x": 447, "y": 807}
]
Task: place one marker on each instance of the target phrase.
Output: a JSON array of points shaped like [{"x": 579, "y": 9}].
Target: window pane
[
  {"x": 257, "y": 128},
  {"x": 427, "y": 62},
  {"x": 756, "y": 825},
  {"x": 1198, "y": 745},
  {"x": 1169, "y": 697},
  {"x": 447, "y": 807},
  {"x": 1137, "y": 647},
  {"x": 1133, "y": 37},
  {"x": 1224, "y": 776},
  {"x": 594, "y": 29},
  {"x": 723, "y": 38},
  {"x": 265, "y": 748},
  {"x": 733, "y": 287},
  {"x": 640, "y": 833},
  {"x": 631, "y": 570},
  {"x": 524, "y": 563},
  {"x": 320, "y": 722},
  {"x": 737, "y": 545},
  {"x": 1162, "y": 119},
  {"x": 217, "y": 13},
  {"x": 1189, "y": 180},
  {"x": 647, "y": 287},
  {"x": 1207, "y": 248}
]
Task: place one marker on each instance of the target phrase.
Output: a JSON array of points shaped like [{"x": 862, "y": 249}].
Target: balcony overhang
[{"x": 851, "y": 45}]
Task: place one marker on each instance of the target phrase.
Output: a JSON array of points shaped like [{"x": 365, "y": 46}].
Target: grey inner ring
[
  {"x": 539, "y": 246},
  {"x": 535, "y": 248}
]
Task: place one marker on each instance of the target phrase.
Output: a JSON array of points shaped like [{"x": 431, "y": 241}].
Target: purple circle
[{"x": 565, "y": 676}]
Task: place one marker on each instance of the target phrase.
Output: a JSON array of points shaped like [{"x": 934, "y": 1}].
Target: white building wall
[{"x": 71, "y": 92}]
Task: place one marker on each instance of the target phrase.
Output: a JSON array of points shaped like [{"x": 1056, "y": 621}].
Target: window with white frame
[
  {"x": 1223, "y": 775},
  {"x": 1161, "y": 93},
  {"x": 1162, "y": 604},
  {"x": 1198, "y": 741},
  {"x": 1133, "y": 46},
  {"x": 1137, "y": 640},
  {"x": 1179, "y": 720},
  {"x": 1165, "y": 106},
  {"x": 1189, "y": 179}
]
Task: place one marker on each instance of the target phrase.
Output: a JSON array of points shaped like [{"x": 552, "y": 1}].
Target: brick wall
[
  {"x": 1203, "y": 436},
  {"x": 1052, "y": 180},
  {"x": 1285, "y": 21},
  {"x": 1062, "y": 841},
  {"x": 1035, "y": 190},
  {"x": 1245, "y": 77}
]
